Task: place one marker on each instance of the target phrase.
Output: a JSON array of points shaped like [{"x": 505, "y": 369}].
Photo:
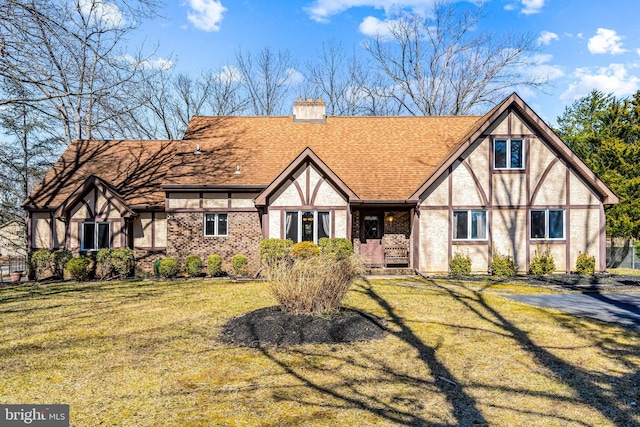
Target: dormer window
[{"x": 508, "y": 153}]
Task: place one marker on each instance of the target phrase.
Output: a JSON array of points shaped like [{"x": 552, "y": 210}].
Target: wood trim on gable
[{"x": 307, "y": 157}]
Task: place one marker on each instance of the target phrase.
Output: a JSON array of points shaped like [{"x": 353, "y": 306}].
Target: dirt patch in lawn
[{"x": 271, "y": 326}]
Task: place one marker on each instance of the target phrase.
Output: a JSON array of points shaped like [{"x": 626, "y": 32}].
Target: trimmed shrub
[
  {"x": 59, "y": 259},
  {"x": 214, "y": 265},
  {"x": 339, "y": 247},
  {"x": 542, "y": 262},
  {"x": 193, "y": 265},
  {"x": 314, "y": 285},
  {"x": 78, "y": 268},
  {"x": 104, "y": 267},
  {"x": 41, "y": 262},
  {"x": 460, "y": 265},
  {"x": 240, "y": 265},
  {"x": 168, "y": 267},
  {"x": 502, "y": 265},
  {"x": 586, "y": 264},
  {"x": 304, "y": 250},
  {"x": 122, "y": 260},
  {"x": 275, "y": 250}
]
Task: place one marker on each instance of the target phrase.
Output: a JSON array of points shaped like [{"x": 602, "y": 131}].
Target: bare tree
[
  {"x": 72, "y": 56},
  {"x": 266, "y": 78},
  {"x": 439, "y": 64}
]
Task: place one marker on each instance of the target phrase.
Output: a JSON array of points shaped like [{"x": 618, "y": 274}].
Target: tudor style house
[{"x": 407, "y": 191}]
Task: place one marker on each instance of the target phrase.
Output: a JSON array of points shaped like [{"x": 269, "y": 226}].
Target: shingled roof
[
  {"x": 134, "y": 168},
  {"x": 379, "y": 158}
]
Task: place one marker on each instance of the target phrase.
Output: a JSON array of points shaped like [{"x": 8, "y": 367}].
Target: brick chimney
[{"x": 309, "y": 111}]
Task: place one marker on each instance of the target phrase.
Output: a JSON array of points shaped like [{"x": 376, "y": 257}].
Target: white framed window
[
  {"x": 216, "y": 224},
  {"x": 95, "y": 235},
  {"x": 547, "y": 224},
  {"x": 469, "y": 225},
  {"x": 307, "y": 226},
  {"x": 508, "y": 153}
]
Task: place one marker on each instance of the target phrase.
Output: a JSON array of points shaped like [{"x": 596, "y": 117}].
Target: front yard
[{"x": 148, "y": 353}]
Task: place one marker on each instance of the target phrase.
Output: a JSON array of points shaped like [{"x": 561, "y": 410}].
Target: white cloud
[
  {"x": 227, "y": 74},
  {"x": 156, "y": 64},
  {"x": 372, "y": 26},
  {"x": 542, "y": 68},
  {"x": 611, "y": 79},
  {"x": 532, "y": 6},
  {"x": 206, "y": 15},
  {"x": 606, "y": 41},
  {"x": 107, "y": 13},
  {"x": 546, "y": 37},
  {"x": 321, "y": 10},
  {"x": 294, "y": 77}
]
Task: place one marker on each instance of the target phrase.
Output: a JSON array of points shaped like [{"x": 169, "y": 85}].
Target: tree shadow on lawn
[
  {"x": 400, "y": 406},
  {"x": 590, "y": 387}
]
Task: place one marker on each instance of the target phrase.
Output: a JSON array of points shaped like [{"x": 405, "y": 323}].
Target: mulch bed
[{"x": 271, "y": 326}]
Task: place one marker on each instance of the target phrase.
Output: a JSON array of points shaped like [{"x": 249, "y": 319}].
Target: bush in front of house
[
  {"x": 304, "y": 250},
  {"x": 122, "y": 260},
  {"x": 104, "y": 267},
  {"x": 314, "y": 285},
  {"x": 168, "y": 267},
  {"x": 542, "y": 262},
  {"x": 79, "y": 268},
  {"x": 460, "y": 265},
  {"x": 502, "y": 265},
  {"x": 41, "y": 261},
  {"x": 214, "y": 265},
  {"x": 193, "y": 265},
  {"x": 59, "y": 260},
  {"x": 586, "y": 264},
  {"x": 240, "y": 265},
  {"x": 275, "y": 250},
  {"x": 339, "y": 247}
]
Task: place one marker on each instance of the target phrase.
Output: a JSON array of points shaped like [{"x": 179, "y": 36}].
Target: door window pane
[
  {"x": 537, "y": 225},
  {"x": 556, "y": 224},
  {"x": 371, "y": 227},
  {"x": 307, "y": 226}
]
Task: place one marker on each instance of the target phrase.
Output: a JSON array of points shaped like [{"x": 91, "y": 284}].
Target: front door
[{"x": 371, "y": 249}]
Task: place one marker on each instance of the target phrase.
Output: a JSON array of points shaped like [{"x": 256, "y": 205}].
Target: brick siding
[{"x": 185, "y": 236}]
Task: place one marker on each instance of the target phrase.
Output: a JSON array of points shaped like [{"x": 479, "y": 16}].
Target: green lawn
[{"x": 148, "y": 354}]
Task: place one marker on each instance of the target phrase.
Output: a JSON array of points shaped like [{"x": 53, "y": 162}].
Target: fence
[
  {"x": 624, "y": 256},
  {"x": 9, "y": 264}
]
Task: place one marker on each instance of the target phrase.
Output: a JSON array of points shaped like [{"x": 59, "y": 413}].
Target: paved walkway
[{"x": 622, "y": 309}]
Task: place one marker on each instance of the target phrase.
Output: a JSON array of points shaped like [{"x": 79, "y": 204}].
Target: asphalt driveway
[{"x": 622, "y": 309}]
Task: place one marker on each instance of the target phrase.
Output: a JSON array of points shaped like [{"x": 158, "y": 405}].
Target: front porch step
[{"x": 389, "y": 271}]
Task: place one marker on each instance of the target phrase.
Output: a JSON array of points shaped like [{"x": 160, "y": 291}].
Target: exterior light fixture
[{"x": 237, "y": 172}]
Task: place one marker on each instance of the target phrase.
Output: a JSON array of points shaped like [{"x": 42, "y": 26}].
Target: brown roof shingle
[
  {"x": 135, "y": 168},
  {"x": 379, "y": 158}
]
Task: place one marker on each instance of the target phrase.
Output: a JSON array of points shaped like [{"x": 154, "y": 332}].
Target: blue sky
[{"x": 583, "y": 44}]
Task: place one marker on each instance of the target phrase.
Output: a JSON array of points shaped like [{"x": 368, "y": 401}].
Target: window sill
[
  {"x": 508, "y": 171},
  {"x": 471, "y": 242},
  {"x": 549, "y": 241}
]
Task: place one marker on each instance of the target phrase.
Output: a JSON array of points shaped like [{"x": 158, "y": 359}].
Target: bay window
[{"x": 307, "y": 226}]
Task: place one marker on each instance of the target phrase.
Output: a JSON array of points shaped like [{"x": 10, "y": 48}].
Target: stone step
[{"x": 389, "y": 271}]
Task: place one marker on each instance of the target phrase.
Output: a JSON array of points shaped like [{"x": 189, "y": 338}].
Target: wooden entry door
[{"x": 371, "y": 248}]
